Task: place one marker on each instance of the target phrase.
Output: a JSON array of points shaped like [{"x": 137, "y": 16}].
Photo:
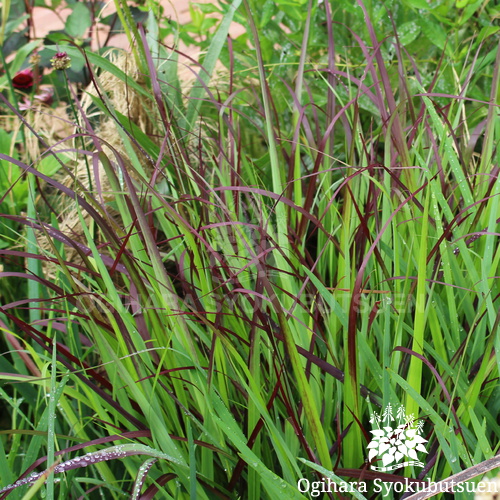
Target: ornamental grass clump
[
  {"x": 254, "y": 269},
  {"x": 125, "y": 103}
]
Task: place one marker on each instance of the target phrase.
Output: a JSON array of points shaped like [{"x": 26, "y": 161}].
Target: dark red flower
[{"x": 24, "y": 79}]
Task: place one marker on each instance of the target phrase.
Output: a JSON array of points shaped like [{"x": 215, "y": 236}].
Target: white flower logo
[{"x": 393, "y": 444}]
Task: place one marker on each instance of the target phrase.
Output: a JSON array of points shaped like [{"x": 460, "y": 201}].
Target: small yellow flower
[
  {"x": 61, "y": 61},
  {"x": 35, "y": 58}
]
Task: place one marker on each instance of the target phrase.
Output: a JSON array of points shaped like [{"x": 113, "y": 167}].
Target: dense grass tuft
[{"x": 283, "y": 252}]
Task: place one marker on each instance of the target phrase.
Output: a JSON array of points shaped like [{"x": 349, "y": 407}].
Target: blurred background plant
[{"x": 225, "y": 262}]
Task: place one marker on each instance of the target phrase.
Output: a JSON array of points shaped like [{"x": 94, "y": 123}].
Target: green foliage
[
  {"x": 305, "y": 236},
  {"x": 79, "y": 21}
]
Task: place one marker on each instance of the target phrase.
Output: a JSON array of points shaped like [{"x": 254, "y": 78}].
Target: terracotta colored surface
[{"x": 45, "y": 20}]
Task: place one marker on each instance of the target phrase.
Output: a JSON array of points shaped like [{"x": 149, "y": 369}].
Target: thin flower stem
[{"x": 77, "y": 120}]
